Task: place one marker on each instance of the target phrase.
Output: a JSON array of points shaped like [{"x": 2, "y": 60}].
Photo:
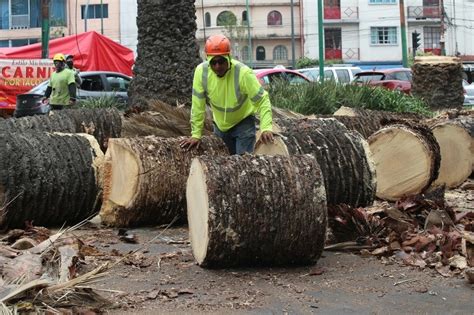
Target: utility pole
[
  {"x": 442, "y": 39},
  {"x": 293, "y": 64},
  {"x": 203, "y": 20},
  {"x": 45, "y": 29},
  {"x": 101, "y": 17},
  {"x": 321, "y": 40},
  {"x": 248, "y": 32},
  {"x": 403, "y": 33}
]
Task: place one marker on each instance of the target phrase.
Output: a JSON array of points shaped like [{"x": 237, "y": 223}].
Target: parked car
[
  {"x": 94, "y": 84},
  {"x": 468, "y": 93},
  {"x": 268, "y": 76},
  {"x": 393, "y": 79},
  {"x": 339, "y": 74}
]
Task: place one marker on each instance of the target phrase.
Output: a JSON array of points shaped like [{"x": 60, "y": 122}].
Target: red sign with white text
[{"x": 19, "y": 76}]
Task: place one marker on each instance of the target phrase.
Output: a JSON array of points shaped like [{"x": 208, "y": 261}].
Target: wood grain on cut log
[
  {"x": 145, "y": 179},
  {"x": 101, "y": 123},
  {"x": 343, "y": 155},
  {"x": 407, "y": 159},
  {"x": 50, "y": 179},
  {"x": 256, "y": 210}
]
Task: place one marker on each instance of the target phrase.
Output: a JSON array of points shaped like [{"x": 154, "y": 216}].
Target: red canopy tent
[
  {"x": 92, "y": 52},
  {"x": 21, "y": 68}
]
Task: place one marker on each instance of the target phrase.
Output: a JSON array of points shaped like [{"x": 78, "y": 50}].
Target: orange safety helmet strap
[{"x": 217, "y": 45}]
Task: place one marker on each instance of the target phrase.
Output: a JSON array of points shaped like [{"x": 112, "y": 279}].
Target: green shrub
[
  {"x": 325, "y": 98},
  {"x": 102, "y": 102}
]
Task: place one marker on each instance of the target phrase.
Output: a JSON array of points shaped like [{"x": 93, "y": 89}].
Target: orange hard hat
[{"x": 217, "y": 45}]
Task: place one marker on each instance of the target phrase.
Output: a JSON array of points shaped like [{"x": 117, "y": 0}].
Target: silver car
[
  {"x": 94, "y": 84},
  {"x": 468, "y": 94}
]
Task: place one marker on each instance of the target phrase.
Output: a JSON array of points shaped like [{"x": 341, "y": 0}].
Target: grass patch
[
  {"x": 326, "y": 98},
  {"x": 103, "y": 102}
]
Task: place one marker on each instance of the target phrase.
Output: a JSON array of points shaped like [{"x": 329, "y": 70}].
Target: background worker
[
  {"x": 234, "y": 95},
  {"x": 70, "y": 65},
  {"x": 62, "y": 86}
]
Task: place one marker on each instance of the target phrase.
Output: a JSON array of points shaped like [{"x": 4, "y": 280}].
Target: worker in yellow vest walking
[{"x": 61, "y": 90}]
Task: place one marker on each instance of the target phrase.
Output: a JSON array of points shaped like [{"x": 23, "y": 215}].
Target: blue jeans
[{"x": 240, "y": 138}]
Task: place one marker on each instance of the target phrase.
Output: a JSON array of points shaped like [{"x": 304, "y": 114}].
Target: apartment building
[
  {"x": 20, "y": 20},
  {"x": 370, "y": 31},
  {"x": 263, "y": 38}
]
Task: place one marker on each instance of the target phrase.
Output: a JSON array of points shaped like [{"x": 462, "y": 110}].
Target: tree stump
[
  {"x": 407, "y": 159},
  {"x": 256, "y": 210},
  {"x": 438, "y": 81},
  {"x": 50, "y": 179},
  {"x": 102, "y": 123},
  {"x": 145, "y": 179},
  {"x": 343, "y": 155}
]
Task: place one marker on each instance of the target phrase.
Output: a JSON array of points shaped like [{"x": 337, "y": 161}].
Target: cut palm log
[
  {"x": 365, "y": 125},
  {"x": 50, "y": 179},
  {"x": 101, "y": 123},
  {"x": 407, "y": 159},
  {"x": 343, "y": 155},
  {"x": 145, "y": 179},
  {"x": 375, "y": 114},
  {"x": 256, "y": 210},
  {"x": 457, "y": 153},
  {"x": 438, "y": 81}
]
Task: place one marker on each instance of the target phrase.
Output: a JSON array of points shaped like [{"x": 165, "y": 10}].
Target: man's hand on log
[
  {"x": 190, "y": 143},
  {"x": 266, "y": 137}
]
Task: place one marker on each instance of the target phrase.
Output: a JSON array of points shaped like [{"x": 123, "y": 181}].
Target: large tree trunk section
[
  {"x": 343, "y": 155},
  {"x": 375, "y": 114},
  {"x": 102, "y": 123},
  {"x": 145, "y": 179},
  {"x": 50, "y": 179},
  {"x": 256, "y": 210},
  {"x": 167, "y": 52},
  {"x": 456, "y": 153},
  {"x": 365, "y": 125},
  {"x": 407, "y": 159},
  {"x": 438, "y": 81}
]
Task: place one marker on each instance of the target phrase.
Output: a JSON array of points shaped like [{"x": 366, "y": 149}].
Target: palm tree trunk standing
[{"x": 167, "y": 52}]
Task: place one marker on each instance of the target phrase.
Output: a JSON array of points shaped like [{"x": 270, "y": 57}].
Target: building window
[
  {"x": 57, "y": 11},
  {"x": 95, "y": 11},
  {"x": 226, "y": 18},
  {"x": 260, "y": 53},
  {"x": 431, "y": 37},
  {"x": 383, "y": 35},
  {"x": 244, "y": 18},
  {"x": 382, "y": 1},
  {"x": 245, "y": 53},
  {"x": 4, "y": 43},
  {"x": 274, "y": 18},
  {"x": 280, "y": 53},
  {"x": 207, "y": 17}
]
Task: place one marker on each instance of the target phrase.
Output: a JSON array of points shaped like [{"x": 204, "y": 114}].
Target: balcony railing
[
  {"x": 341, "y": 54},
  {"x": 20, "y": 21},
  {"x": 424, "y": 12},
  {"x": 341, "y": 13}
]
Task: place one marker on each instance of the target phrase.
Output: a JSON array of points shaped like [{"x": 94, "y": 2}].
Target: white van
[{"x": 340, "y": 73}]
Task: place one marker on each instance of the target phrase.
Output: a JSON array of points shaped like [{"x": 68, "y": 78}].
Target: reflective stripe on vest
[{"x": 241, "y": 98}]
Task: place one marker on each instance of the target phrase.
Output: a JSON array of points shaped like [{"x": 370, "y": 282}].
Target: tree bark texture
[
  {"x": 167, "y": 52},
  {"x": 162, "y": 120},
  {"x": 256, "y": 210},
  {"x": 145, "y": 179},
  {"x": 101, "y": 123},
  {"x": 407, "y": 159},
  {"x": 343, "y": 155},
  {"x": 50, "y": 179},
  {"x": 438, "y": 84}
]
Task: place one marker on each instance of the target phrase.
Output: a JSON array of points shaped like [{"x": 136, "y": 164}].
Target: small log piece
[
  {"x": 256, "y": 210},
  {"x": 145, "y": 179}
]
